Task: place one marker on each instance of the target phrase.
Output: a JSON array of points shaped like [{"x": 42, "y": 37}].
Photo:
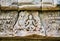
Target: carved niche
[{"x": 28, "y": 23}]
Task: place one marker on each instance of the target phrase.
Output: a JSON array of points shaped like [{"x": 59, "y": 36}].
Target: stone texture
[
  {"x": 29, "y": 23},
  {"x": 32, "y": 4},
  {"x": 51, "y": 22},
  {"x": 23, "y": 23},
  {"x": 7, "y": 21},
  {"x": 50, "y": 3},
  {"x": 8, "y": 2}
]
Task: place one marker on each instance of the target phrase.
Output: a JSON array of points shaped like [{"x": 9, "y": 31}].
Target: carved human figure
[{"x": 28, "y": 23}]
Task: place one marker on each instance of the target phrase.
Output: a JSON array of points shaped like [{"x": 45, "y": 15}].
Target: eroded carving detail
[
  {"x": 28, "y": 23},
  {"x": 51, "y": 22},
  {"x": 7, "y": 20}
]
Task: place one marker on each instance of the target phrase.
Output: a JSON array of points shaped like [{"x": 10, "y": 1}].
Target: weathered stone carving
[
  {"x": 7, "y": 21},
  {"x": 28, "y": 23},
  {"x": 51, "y": 22}
]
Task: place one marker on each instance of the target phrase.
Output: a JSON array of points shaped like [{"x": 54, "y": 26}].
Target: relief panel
[
  {"x": 7, "y": 21},
  {"x": 29, "y": 23},
  {"x": 51, "y": 22}
]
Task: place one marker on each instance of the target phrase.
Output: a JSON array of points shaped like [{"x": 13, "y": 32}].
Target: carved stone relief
[
  {"x": 7, "y": 21},
  {"x": 28, "y": 23},
  {"x": 51, "y": 22}
]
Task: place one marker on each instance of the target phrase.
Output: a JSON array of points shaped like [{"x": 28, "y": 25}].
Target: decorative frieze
[
  {"x": 27, "y": 23},
  {"x": 7, "y": 21},
  {"x": 51, "y": 22}
]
